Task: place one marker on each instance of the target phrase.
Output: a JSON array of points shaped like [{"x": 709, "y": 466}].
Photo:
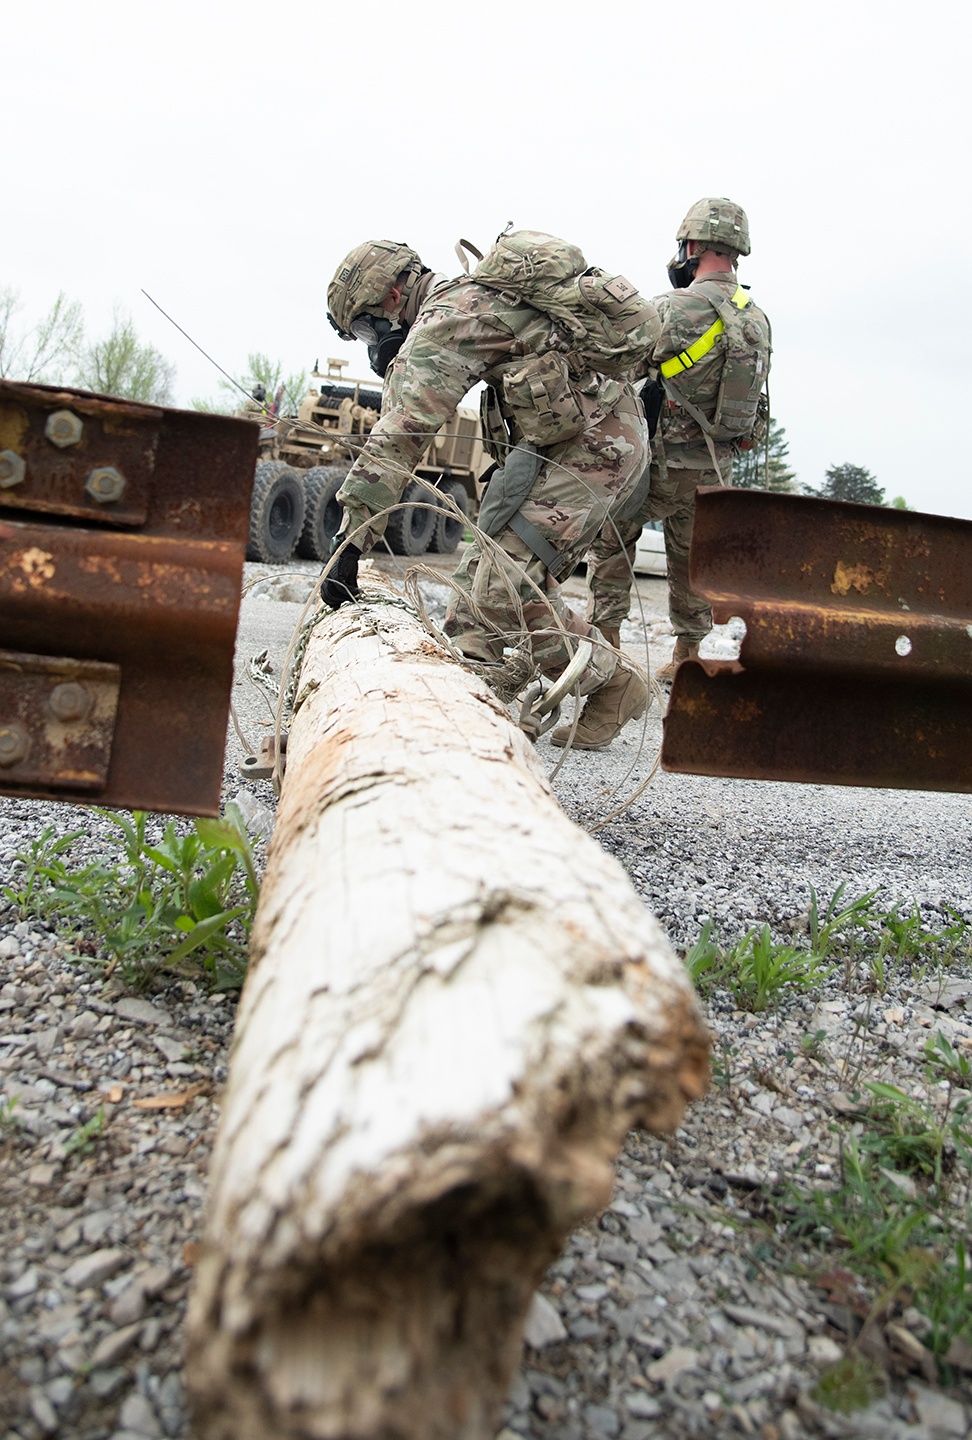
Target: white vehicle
[{"x": 650, "y": 551}]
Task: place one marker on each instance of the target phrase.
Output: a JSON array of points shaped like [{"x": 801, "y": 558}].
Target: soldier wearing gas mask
[
  {"x": 557, "y": 343},
  {"x": 376, "y": 295},
  {"x": 709, "y": 369}
]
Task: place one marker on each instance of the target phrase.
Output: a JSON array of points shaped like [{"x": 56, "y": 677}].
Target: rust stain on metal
[
  {"x": 147, "y": 588},
  {"x": 856, "y": 668},
  {"x": 854, "y": 577},
  {"x": 37, "y": 565}
]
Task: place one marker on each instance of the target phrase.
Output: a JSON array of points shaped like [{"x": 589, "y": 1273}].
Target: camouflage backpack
[
  {"x": 745, "y": 352},
  {"x": 609, "y": 326},
  {"x": 602, "y": 325}
]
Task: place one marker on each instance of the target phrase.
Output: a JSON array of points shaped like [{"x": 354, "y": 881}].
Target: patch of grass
[
  {"x": 41, "y": 853},
  {"x": 185, "y": 904},
  {"x": 851, "y": 1383},
  {"x": 946, "y": 1063},
  {"x": 84, "y": 1138},
  {"x": 756, "y": 968},
  {"x": 841, "y": 932},
  {"x": 900, "y": 1215}
]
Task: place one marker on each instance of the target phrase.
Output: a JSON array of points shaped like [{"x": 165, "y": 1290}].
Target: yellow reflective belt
[{"x": 704, "y": 344}]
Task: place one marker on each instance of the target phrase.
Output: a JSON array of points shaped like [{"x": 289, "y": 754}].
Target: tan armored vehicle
[{"x": 304, "y": 458}]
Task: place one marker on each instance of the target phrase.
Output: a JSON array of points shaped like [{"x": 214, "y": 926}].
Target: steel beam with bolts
[
  {"x": 122, "y": 535},
  {"x": 856, "y": 667}
]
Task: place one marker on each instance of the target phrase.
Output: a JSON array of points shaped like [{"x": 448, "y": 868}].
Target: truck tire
[
  {"x": 276, "y": 512},
  {"x": 448, "y": 530},
  {"x": 322, "y": 518},
  {"x": 410, "y": 529}
]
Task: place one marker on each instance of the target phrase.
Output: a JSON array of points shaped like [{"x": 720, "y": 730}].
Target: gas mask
[
  {"x": 682, "y": 267},
  {"x": 383, "y": 337}
]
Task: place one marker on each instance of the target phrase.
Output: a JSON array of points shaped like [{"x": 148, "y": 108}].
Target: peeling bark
[{"x": 457, "y": 1006}]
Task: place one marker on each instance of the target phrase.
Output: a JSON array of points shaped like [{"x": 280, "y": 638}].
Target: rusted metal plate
[
  {"x": 57, "y": 720},
  {"x": 856, "y": 668},
  {"x": 159, "y": 602},
  {"x": 65, "y": 453}
]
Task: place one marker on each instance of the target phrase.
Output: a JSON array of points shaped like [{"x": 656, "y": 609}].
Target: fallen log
[{"x": 456, "y": 1008}]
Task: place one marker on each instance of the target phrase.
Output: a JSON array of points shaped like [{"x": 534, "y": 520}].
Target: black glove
[{"x": 341, "y": 584}]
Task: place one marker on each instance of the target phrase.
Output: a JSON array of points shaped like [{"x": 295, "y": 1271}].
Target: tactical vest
[
  {"x": 602, "y": 325},
  {"x": 745, "y": 353}
]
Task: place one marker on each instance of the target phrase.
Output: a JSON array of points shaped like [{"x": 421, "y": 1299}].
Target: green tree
[
  {"x": 44, "y": 351},
  {"x": 121, "y": 365},
  {"x": 261, "y": 370},
  {"x": 750, "y": 470},
  {"x": 900, "y": 503},
  {"x": 852, "y": 482}
]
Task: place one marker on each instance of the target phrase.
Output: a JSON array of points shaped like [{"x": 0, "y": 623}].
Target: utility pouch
[
  {"x": 621, "y": 324},
  {"x": 497, "y": 440},
  {"x": 753, "y": 441},
  {"x": 540, "y": 400},
  {"x": 509, "y": 487},
  {"x": 652, "y": 395}
]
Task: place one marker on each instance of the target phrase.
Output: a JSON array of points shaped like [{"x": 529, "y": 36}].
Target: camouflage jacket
[
  {"x": 684, "y": 317},
  {"x": 465, "y": 333}
]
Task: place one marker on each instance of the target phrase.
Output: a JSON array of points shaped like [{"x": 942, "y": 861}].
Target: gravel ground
[{"x": 666, "y": 1317}]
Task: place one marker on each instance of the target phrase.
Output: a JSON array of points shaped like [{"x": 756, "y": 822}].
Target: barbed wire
[{"x": 518, "y": 642}]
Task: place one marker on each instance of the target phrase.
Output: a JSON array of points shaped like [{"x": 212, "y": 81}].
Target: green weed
[
  {"x": 40, "y": 853},
  {"x": 899, "y": 1216},
  {"x": 84, "y": 1138},
  {"x": 840, "y": 932},
  {"x": 183, "y": 904},
  {"x": 812, "y": 1046},
  {"x": 756, "y": 968},
  {"x": 946, "y": 1063},
  {"x": 849, "y": 1384}
]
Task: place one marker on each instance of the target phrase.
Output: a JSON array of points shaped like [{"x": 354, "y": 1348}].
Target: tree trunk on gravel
[{"x": 457, "y": 1007}]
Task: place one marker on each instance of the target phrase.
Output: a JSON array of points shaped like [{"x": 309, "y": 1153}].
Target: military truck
[{"x": 304, "y": 458}]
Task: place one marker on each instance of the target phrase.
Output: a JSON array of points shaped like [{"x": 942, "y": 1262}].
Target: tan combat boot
[
  {"x": 606, "y": 711},
  {"x": 684, "y": 650}
]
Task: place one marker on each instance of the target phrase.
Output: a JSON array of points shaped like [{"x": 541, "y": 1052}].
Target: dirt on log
[{"x": 457, "y": 1007}]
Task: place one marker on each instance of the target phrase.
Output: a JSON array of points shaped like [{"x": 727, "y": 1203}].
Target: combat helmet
[
  {"x": 717, "y": 221},
  {"x": 363, "y": 279}
]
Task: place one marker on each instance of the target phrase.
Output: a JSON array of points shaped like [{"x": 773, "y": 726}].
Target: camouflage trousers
[
  {"x": 671, "y": 499},
  {"x": 506, "y": 591}
]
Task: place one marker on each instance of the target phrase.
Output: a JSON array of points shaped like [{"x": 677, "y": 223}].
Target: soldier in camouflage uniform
[
  {"x": 713, "y": 235},
  {"x": 469, "y": 330}
]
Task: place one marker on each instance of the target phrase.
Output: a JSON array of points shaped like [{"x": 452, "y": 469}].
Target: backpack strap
[{"x": 701, "y": 347}]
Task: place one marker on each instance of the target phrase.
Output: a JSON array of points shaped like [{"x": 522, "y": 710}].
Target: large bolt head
[
  {"x": 105, "y": 484},
  {"x": 69, "y": 701},
  {"x": 63, "y": 428},
  {"x": 13, "y": 745},
  {"x": 13, "y": 468}
]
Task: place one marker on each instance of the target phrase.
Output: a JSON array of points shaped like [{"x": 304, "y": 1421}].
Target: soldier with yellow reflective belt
[{"x": 711, "y": 362}]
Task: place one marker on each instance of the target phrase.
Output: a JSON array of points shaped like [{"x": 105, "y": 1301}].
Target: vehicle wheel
[
  {"x": 448, "y": 529},
  {"x": 276, "y": 512},
  {"x": 410, "y": 529},
  {"x": 322, "y": 519}
]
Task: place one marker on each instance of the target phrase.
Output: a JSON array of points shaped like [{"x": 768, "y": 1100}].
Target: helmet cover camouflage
[
  {"x": 363, "y": 279},
  {"x": 717, "y": 221}
]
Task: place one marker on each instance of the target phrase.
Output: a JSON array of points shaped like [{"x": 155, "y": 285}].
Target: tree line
[
  {"x": 767, "y": 467},
  {"x": 57, "y": 351}
]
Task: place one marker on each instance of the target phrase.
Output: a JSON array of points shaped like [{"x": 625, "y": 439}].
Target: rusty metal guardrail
[
  {"x": 856, "y": 668},
  {"x": 122, "y": 536}
]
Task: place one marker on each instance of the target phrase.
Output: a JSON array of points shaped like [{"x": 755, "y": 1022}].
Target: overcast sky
[{"x": 226, "y": 156}]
